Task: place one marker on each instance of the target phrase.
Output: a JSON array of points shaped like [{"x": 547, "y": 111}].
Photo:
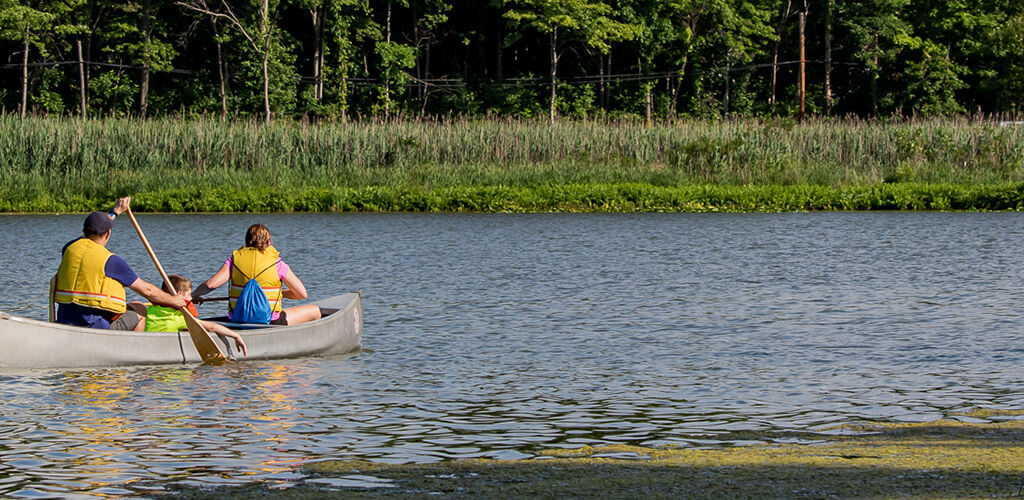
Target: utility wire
[{"x": 459, "y": 82}]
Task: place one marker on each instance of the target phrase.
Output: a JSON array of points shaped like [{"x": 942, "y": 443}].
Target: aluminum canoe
[{"x": 30, "y": 343}]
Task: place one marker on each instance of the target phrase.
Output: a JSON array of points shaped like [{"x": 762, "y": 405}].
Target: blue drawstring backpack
[{"x": 252, "y": 305}]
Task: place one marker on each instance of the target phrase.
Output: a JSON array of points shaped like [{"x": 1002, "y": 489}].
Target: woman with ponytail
[{"x": 259, "y": 263}]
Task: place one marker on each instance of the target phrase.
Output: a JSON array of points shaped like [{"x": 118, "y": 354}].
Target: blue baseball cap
[{"x": 97, "y": 223}]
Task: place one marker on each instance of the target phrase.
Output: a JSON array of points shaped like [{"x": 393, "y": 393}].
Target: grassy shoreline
[
  {"x": 955, "y": 458},
  {"x": 626, "y": 197},
  {"x": 494, "y": 165}
]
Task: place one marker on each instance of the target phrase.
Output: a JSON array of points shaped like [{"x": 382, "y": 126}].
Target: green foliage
[
  {"x": 514, "y": 101},
  {"x": 114, "y": 91},
  {"x": 329, "y": 61},
  {"x": 543, "y": 198},
  {"x": 396, "y": 60},
  {"x": 936, "y": 79},
  {"x": 47, "y": 94},
  {"x": 576, "y": 100},
  {"x": 1003, "y": 43},
  {"x": 589, "y": 20},
  {"x": 135, "y": 36},
  {"x": 283, "y": 80},
  {"x": 23, "y": 23}
]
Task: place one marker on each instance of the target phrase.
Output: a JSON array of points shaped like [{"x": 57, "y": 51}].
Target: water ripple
[{"x": 500, "y": 336}]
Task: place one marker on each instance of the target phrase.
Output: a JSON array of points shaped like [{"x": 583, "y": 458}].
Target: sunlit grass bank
[
  {"x": 942, "y": 459},
  {"x": 68, "y": 165},
  {"x": 627, "y": 197}
]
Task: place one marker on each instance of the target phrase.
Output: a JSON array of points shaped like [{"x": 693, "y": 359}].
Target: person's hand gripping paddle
[{"x": 207, "y": 347}]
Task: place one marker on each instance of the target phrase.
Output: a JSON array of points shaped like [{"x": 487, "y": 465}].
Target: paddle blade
[{"x": 207, "y": 347}]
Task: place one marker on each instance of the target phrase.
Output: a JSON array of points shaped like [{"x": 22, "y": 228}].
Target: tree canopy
[{"x": 653, "y": 59}]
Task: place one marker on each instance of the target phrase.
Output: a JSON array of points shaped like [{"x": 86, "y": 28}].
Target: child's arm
[{"x": 223, "y": 330}]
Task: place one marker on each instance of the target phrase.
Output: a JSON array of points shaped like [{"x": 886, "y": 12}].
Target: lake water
[{"x": 503, "y": 335}]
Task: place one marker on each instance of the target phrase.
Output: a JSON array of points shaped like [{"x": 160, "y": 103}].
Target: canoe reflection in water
[{"x": 133, "y": 422}]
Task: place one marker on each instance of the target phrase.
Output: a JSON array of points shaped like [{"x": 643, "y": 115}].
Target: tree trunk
[
  {"x": 775, "y": 53},
  {"x": 608, "y": 85},
  {"x": 24, "y": 77},
  {"x": 828, "y": 57},
  {"x": 417, "y": 69},
  {"x": 554, "y": 71},
  {"x": 318, "y": 63},
  {"x": 426, "y": 74},
  {"x": 648, "y": 93},
  {"x": 220, "y": 73},
  {"x": 728, "y": 83},
  {"x": 81, "y": 76},
  {"x": 143, "y": 90},
  {"x": 649, "y": 105},
  {"x": 266, "y": 84},
  {"x": 875, "y": 71},
  {"x": 266, "y": 58},
  {"x": 501, "y": 65},
  {"x": 144, "y": 27},
  {"x": 803, "y": 66},
  {"x": 676, "y": 89},
  {"x": 387, "y": 82},
  {"x": 775, "y": 75},
  {"x": 342, "y": 67}
]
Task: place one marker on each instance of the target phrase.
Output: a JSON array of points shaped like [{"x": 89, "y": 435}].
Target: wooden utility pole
[
  {"x": 803, "y": 67},
  {"x": 81, "y": 75}
]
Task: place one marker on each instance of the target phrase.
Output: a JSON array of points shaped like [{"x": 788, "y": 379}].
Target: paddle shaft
[
  {"x": 152, "y": 255},
  {"x": 207, "y": 348},
  {"x": 53, "y": 289},
  {"x": 200, "y": 300}
]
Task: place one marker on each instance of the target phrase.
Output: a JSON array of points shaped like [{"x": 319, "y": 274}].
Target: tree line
[{"x": 643, "y": 59}]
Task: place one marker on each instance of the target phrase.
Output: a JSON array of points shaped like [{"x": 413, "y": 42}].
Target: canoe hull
[{"x": 29, "y": 343}]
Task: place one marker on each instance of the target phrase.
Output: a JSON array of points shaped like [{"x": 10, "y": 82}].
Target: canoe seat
[
  {"x": 240, "y": 326},
  {"x": 324, "y": 312}
]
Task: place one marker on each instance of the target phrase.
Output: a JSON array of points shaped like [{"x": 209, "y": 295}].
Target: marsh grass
[{"x": 61, "y": 164}]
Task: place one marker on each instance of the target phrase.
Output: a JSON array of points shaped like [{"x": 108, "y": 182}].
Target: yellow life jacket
[
  {"x": 250, "y": 263},
  {"x": 81, "y": 278}
]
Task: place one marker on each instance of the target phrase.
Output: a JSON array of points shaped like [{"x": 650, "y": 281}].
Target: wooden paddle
[
  {"x": 53, "y": 289},
  {"x": 208, "y": 349}
]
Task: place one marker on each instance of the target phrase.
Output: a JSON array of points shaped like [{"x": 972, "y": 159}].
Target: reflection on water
[
  {"x": 499, "y": 336},
  {"x": 109, "y": 429}
]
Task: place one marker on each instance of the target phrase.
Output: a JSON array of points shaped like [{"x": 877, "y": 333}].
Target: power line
[{"x": 460, "y": 82}]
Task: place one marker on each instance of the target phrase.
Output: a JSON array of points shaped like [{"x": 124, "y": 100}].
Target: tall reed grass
[{"x": 65, "y": 162}]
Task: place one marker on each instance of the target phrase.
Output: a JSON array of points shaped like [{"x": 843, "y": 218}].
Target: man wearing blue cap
[{"x": 90, "y": 282}]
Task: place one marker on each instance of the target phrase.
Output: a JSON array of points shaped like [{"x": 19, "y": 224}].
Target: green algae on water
[{"x": 971, "y": 455}]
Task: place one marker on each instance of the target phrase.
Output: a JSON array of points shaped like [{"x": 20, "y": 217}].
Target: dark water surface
[{"x": 503, "y": 335}]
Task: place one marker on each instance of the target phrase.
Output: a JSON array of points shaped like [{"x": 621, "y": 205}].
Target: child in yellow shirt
[{"x": 167, "y": 319}]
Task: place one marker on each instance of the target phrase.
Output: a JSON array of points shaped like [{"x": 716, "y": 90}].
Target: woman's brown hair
[{"x": 258, "y": 237}]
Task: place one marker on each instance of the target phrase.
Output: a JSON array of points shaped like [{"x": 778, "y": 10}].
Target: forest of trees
[{"x": 636, "y": 59}]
